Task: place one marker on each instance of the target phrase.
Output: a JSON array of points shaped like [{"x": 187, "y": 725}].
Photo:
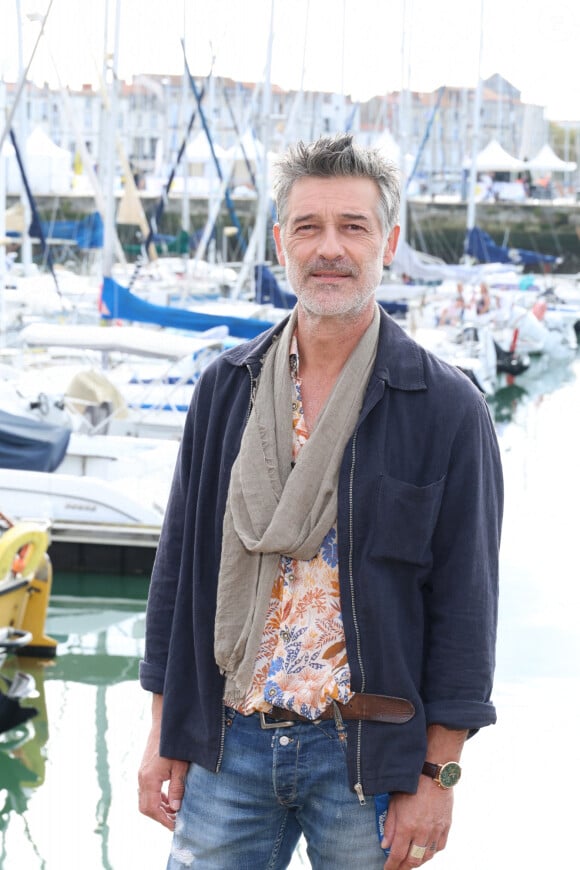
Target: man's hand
[
  {"x": 421, "y": 819},
  {"x": 153, "y": 773},
  {"x": 417, "y": 825}
]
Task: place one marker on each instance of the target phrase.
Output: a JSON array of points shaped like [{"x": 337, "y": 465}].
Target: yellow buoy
[{"x": 25, "y": 586}]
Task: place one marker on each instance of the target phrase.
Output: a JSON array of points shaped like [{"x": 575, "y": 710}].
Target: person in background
[
  {"x": 483, "y": 304},
  {"x": 322, "y": 612},
  {"x": 454, "y": 313}
]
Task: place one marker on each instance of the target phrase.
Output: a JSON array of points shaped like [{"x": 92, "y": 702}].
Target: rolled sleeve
[
  {"x": 151, "y": 677},
  {"x": 456, "y": 714}
]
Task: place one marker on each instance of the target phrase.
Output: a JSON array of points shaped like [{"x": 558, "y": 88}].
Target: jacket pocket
[{"x": 405, "y": 519}]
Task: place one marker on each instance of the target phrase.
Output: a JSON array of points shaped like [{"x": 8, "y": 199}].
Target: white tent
[
  {"x": 199, "y": 156},
  {"x": 546, "y": 160},
  {"x": 48, "y": 167},
  {"x": 388, "y": 146},
  {"x": 248, "y": 148},
  {"x": 250, "y": 145},
  {"x": 494, "y": 158}
]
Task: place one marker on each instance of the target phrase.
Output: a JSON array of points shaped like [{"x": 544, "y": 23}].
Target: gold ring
[{"x": 417, "y": 852}]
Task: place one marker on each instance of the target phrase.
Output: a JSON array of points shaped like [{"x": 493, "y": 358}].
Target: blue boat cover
[
  {"x": 86, "y": 233},
  {"x": 481, "y": 246},
  {"x": 118, "y": 303},
  {"x": 31, "y": 445},
  {"x": 268, "y": 290}
]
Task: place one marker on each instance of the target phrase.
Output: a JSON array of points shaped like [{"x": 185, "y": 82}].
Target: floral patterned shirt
[{"x": 301, "y": 664}]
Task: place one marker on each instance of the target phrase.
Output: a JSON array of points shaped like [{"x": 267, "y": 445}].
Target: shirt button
[
  {"x": 284, "y": 741},
  {"x": 285, "y": 635}
]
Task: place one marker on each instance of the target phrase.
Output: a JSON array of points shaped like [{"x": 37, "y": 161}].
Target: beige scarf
[{"x": 274, "y": 510}]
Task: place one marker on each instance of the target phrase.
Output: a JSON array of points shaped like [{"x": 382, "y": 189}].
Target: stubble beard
[{"x": 329, "y": 300}]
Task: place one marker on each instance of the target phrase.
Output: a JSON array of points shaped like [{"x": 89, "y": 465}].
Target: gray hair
[{"x": 338, "y": 156}]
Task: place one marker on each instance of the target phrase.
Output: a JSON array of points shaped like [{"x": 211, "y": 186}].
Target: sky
[{"x": 359, "y": 47}]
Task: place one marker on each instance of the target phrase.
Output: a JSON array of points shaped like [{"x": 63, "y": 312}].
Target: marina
[
  {"x": 68, "y": 793},
  {"x": 136, "y": 245}
]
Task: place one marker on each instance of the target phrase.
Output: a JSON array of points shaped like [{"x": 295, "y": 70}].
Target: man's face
[{"x": 333, "y": 244}]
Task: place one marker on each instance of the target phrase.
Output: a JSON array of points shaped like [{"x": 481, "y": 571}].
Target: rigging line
[
  {"x": 243, "y": 149},
  {"x": 304, "y": 47},
  {"x": 229, "y": 204},
  {"x": 86, "y": 157},
  {"x": 418, "y": 229},
  {"x": 155, "y": 219},
  {"x": 555, "y": 238},
  {"x": 22, "y": 80},
  {"x": 343, "y": 48},
  {"x": 440, "y": 245},
  {"x": 36, "y": 224},
  {"x": 426, "y": 135},
  {"x": 239, "y": 135},
  {"x": 350, "y": 120},
  {"x": 442, "y": 240}
]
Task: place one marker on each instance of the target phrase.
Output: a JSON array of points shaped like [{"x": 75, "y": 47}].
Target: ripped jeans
[{"x": 273, "y": 786}]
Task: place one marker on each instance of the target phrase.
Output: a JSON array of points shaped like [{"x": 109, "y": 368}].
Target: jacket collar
[
  {"x": 399, "y": 361},
  {"x": 249, "y": 353}
]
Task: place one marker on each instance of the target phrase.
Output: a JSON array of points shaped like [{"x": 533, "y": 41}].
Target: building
[{"x": 153, "y": 114}]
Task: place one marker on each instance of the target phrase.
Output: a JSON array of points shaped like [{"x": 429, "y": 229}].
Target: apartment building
[{"x": 152, "y": 115}]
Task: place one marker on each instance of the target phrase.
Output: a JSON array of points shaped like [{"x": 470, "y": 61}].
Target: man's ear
[
  {"x": 391, "y": 246},
  {"x": 277, "y": 233}
]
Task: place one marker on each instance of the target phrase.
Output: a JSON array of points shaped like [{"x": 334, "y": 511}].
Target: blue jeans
[{"x": 273, "y": 786}]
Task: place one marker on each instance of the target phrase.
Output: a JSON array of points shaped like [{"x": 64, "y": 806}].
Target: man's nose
[{"x": 330, "y": 244}]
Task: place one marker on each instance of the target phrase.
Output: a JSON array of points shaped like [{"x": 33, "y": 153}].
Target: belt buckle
[{"x": 269, "y": 725}]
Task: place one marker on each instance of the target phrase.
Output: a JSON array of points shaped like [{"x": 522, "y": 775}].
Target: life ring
[{"x": 22, "y": 549}]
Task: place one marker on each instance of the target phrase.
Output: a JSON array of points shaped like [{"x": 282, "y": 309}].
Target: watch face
[{"x": 450, "y": 774}]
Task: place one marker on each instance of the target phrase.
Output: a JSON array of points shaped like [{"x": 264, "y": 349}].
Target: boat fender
[{"x": 22, "y": 549}]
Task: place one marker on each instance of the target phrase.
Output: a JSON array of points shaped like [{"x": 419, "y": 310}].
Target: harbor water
[{"x": 68, "y": 789}]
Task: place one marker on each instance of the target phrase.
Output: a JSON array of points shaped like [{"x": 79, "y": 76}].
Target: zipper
[
  {"x": 222, "y": 740},
  {"x": 358, "y": 785},
  {"x": 253, "y": 387}
]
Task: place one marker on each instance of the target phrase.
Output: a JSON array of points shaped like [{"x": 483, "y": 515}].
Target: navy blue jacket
[{"x": 419, "y": 513}]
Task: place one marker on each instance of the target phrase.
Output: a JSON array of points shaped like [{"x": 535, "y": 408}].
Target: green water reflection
[{"x": 67, "y": 778}]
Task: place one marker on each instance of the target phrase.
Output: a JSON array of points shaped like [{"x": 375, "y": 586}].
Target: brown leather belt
[{"x": 375, "y": 708}]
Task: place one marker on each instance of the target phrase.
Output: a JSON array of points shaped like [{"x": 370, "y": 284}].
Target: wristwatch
[{"x": 445, "y": 775}]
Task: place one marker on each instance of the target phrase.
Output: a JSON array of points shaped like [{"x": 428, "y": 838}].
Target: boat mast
[
  {"x": 185, "y": 221},
  {"x": 108, "y": 153},
  {"x": 26, "y": 242},
  {"x": 404, "y": 114},
  {"x": 255, "y": 254},
  {"x": 343, "y": 123},
  {"x": 23, "y": 75},
  {"x": 475, "y": 138},
  {"x": 263, "y": 187}
]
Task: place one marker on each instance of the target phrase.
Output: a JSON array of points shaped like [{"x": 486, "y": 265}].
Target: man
[{"x": 322, "y": 612}]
